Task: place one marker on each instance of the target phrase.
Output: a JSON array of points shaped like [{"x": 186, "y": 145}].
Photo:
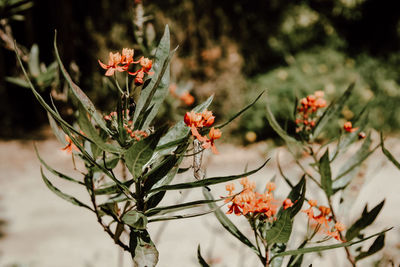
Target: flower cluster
[
  {"x": 323, "y": 219},
  {"x": 248, "y": 201},
  {"x": 199, "y": 120},
  {"x": 137, "y": 134},
  {"x": 307, "y": 111},
  {"x": 121, "y": 62}
]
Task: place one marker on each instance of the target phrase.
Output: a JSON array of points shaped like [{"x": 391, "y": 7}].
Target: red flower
[
  {"x": 287, "y": 203},
  {"x": 348, "y": 127}
]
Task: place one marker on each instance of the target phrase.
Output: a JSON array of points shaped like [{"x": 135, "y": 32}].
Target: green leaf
[
  {"x": 333, "y": 109},
  {"x": 33, "y": 63},
  {"x": 61, "y": 194},
  {"x": 58, "y": 133},
  {"x": 118, "y": 231},
  {"x": 207, "y": 182},
  {"x": 159, "y": 83},
  {"x": 322, "y": 248},
  {"x": 278, "y": 129},
  {"x": 142, "y": 248},
  {"x": 388, "y": 154},
  {"x": 159, "y": 172},
  {"x": 141, "y": 152},
  {"x": 180, "y": 130},
  {"x": 280, "y": 230},
  {"x": 296, "y": 260},
  {"x": 184, "y": 216},
  {"x": 325, "y": 171},
  {"x": 178, "y": 207},
  {"x": 86, "y": 126},
  {"x": 154, "y": 200},
  {"x": 365, "y": 220},
  {"x": 113, "y": 189},
  {"x": 202, "y": 262},
  {"x": 135, "y": 219},
  {"x": 17, "y": 81},
  {"x": 378, "y": 244},
  {"x": 228, "y": 225},
  {"x": 53, "y": 171},
  {"x": 79, "y": 94},
  {"x": 350, "y": 138},
  {"x": 240, "y": 112},
  {"x": 344, "y": 176},
  {"x": 297, "y": 195}
]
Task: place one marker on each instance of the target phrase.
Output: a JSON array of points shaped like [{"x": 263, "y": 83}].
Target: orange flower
[
  {"x": 287, "y": 203},
  {"x": 70, "y": 146},
  {"x": 214, "y": 135},
  {"x": 127, "y": 57},
  {"x": 187, "y": 98},
  {"x": 306, "y": 116},
  {"x": 270, "y": 186},
  {"x": 113, "y": 64},
  {"x": 208, "y": 118},
  {"x": 146, "y": 66},
  {"x": 348, "y": 127}
]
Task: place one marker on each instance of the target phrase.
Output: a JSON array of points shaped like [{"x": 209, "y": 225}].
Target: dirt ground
[{"x": 43, "y": 230}]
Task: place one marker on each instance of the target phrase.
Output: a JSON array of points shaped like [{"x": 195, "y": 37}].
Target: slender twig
[
  {"x": 349, "y": 256},
  {"x": 100, "y": 220}
]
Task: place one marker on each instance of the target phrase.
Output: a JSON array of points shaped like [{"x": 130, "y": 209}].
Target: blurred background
[{"x": 233, "y": 49}]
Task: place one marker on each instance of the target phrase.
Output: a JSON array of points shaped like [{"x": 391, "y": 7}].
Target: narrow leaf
[
  {"x": 325, "y": 171},
  {"x": 178, "y": 207},
  {"x": 366, "y": 219},
  {"x": 79, "y": 94},
  {"x": 141, "y": 152},
  {"x": 388, "y": 154},
  {"x": 53, "y": 171},
  {"x": 207, "y": 182},
  {"x": 322, "y": 248},
  {"x": 135, "y": 219},
  {"x": 333, "y": 109},
  {"x": 61, "y": 194},
  {"x": 280, "y": 230},
  {"x": 228, "y": 225},
  {"x": 202, "y": 262},
  {"x": 278, "y": 129},
  {"x": 240, "y": 112},
  {"x": 378, "y": 244}
]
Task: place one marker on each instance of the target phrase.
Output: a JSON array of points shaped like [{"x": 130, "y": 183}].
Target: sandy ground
[{"x": 43, "y": 230}]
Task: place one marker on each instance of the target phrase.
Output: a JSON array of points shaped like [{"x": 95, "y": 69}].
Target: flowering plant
[
  {"x": 272, "y": 221},
  {"x": 126, "y": 139}
]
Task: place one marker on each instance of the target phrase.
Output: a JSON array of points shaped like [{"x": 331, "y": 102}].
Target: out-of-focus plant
[
  {"x": 126, "y": 138},
  {"x": 272, "y": 220},
  {"x": 327, "y": 69},
  {"x": 41, "y": 76}
]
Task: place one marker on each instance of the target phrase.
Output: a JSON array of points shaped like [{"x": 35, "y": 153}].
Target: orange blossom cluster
[
  {"x": 121, "y": 62},
  {"x": 307, "y": 111},
  {"x": 199, "y": 120},
  {"x": 248, "y": 201},
  {"x": 323, "y": 218}
]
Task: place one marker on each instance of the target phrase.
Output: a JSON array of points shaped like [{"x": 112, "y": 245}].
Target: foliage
[
  {"x": 128, "y": 138},
  {"x": 272, "y": 222}
]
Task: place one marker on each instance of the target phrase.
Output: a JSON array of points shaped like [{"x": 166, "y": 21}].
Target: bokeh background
[{"x": 233, "y": 49}]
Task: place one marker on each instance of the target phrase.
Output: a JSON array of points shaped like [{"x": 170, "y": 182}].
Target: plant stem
[
  {"x": 349, "y": 256},
  {"x": 100, "y": 220}
]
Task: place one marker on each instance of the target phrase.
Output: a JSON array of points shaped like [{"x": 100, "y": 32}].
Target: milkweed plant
[{"x": 150, "y": 155}]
